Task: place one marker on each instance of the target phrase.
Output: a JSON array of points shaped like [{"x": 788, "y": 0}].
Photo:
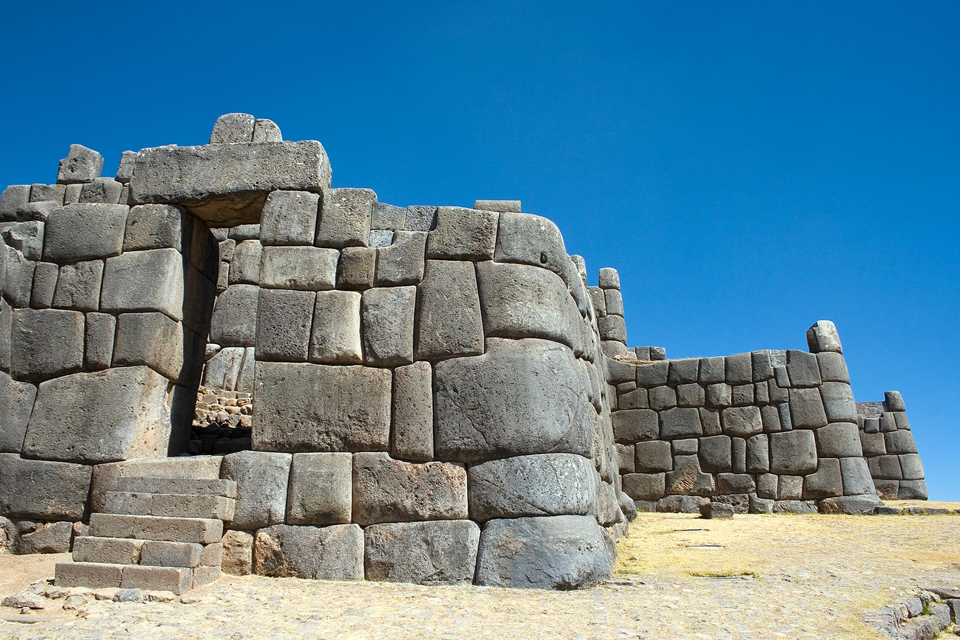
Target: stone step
[
  {"x": 107, "y": 550},
  {"x": 95, "y": 575},
  {"x": 202, "y": 530},
  {"x": 170, "y": 505},
  {"x": 178, "y": 486}
]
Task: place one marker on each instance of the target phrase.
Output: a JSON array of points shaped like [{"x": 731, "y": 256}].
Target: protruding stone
[
  {"x": 266, "y": 131},
  {"x": 894, "y": 401},
  {"x": 793, "y": 452},
  {"x": 261, "y": 479},
  {"x": 532, "y": 240},
  {"x": 501, "y": 206},
  {"x": 45, "y": 343},
  {"x": 232, "y": 128},
  {"x": 823, "y": 336},
  {"x": 319, "y": 553},
  {"x": 320, "y": 490},
  {"x": 84, "y": 232},
  {"x": 609, "y": 278},
  {"x": 145, "y": 281},
  {"x": 521, "y": 397},
  {"x": 234, "y": 321},
  {"x": 42, "y": 489},
  {"x": 345, "y": 218},
  {"x": 80, "y": 165},
  {"x": 463, "y": 234},
  {"x": 559, "y": 552}
]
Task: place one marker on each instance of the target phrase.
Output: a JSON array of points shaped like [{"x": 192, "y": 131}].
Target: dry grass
[{"x": 870, "y": 558}]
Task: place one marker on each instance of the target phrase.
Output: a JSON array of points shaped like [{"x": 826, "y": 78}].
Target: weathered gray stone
[
  {"x": 893, "y": 401},
  {"x": 422, "y": 552},
  {"x": 613, "y": 301},
  {"x": 719, "y": 395},
  {"x": 101, "y": 191},
  {"x": 463, "y": 234},
  {"x": 653, "y": 456},
  {"x": 521, "y": 301},
  {"x": 232, "y": 128},
  {"x": 758, "y": 454},
  {"x": 222, "y": 370},
  {"x": 13, "y": 197},
  {"x": 911, "y": 466},
  {"x": 110, "y": 415},
  {"x": 237, "y": 553},
  {"x": 245, "y": 267},
  {"x": 770, "y": 418},
  {"x": 681, "y": 504},
  {"x": 266, "y": 131},
  {"x": 40, "y": 211},
  {"x": 533, "y": 240},
  {"x": 806, "y": 409},
  {"x": 715, "y": 454},
  {"x": 644, "y": 486},
  {"x": 833, "y": 368},
  {"x": 44, "y": 285},
  {"x": 47, "y": 537},
  {"x": 767, "y": 486},
  {"x": 716, "y": 511},
  {"x": 680, "y": 423},
  {"x": 303, "y": 268},
  {"x": 636, "y": 399},
  {"x": 261, "y": 479},
  {"x": 99, "y": 333},
  {"x": 388, "y": 320},
  {"x": 688, "y": 479},
  {"x": 227, "y": 184},
  {"x": 683, "y": 371},
  {"x": 786, "y": 422},
  {"x": 401, "y": 262},
  {"x": 856, "y": 477},
  {"x": 412, "y": 433},
  {"x": 790, "y": 487},
  {"x": 242, "y": 232},
  {"x": 322, "y": 553},
  {"x": 45, "y": 343},
  {"x": 320, "y": 491},
  {"x": 559, "y": 552},
  {"x": 626, "y": 458},
  {"x": 872, "y": 444},
  {"x": 309, "y": 407},
  {"x": 613, "y": 328},
  {"x": 739, "y": 368},
  {"x": 521, "y": 397},
  {"x": 711, "y": 422},
  {"x": 84, "y": 232},
  {"x": 80, "y": 165},
  {"x": 742, "y": 395},
  {"x": 793, "y": 452},
  {"x": 25, "y": 237},
  {"x": 152, "y": 339},
  {"x": 608, "y": 278},
  {"x": 826, "y": 482},
  {"x": 912, "y": 490},
  {"x": 345, "y": 218},
  {"x": 803, "y": 369},
  {"x": 145, "y": 281},
  {"x": 284, "y": 319},
  {"x": 47, "y": 193},
  {"x": 823, "y": 336},
  {"x": 449, "y": 322},
  {"x": 78, "y": 286},
  {"x": 387, "y": 217},
  {"x": 388, "y": 490},
  {"x": 234, "y": 321},
  {"x": 534, "y": 485},
  {"x": 651, "y": 375},
  {"x": 712, "y": 370},
  {"x": 741, "y": 422},
  {"x": 18, "y": 280},
  {"x": 662, "y": 397},
  {"x": 289, "y": 218},
  {"x": 107, "y": 550},
  {"x": 357, "y": 268},
  {"x": 125, "y": 169},
  {"x": 838, "y": 402},
  {"x": 635, "y": 425},
  {"x": 42, "y": 489},
  {"x": 900, "y": 442},
  {"x": 420, "y": 218},
  {"x": 738, "y": 451},
  {"x": 16, "y": 405},
  {"x": 839, "y": 440},
  {"x": 512, "y": 206},
  {"x": 735, "y": 483},
  {"x": 335, "y": 337}
]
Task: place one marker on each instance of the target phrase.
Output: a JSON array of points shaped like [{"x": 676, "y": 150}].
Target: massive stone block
[
  {"x": 793, "y": 452},
  {"x": 401, "y": 262},
  {"x": 152, "y": 339},
  {"x": 521, "y": 397},
  {"x": 80, "y": 165},
  {"x": 449, "y": 320},
  {"x": 388, "y": 317},
  {"x": 839, "y": 440},
  {"x": 154, "y": 226},
  {"x": 289, "y": 218},
  {"x": 806, "y": 409},
  {"x": 321, "y": 553},
  {"x": 310, "y": 407},
  {"x": 520, "y": 301},
  {"x": 741, "y": 422},
  {"x": 228, "y": 184},
  {"x": 533, "y": 240},
  {"x": 41, "y": 489},
  {"x": 412, "y": 434},
  {"x": 823, "y": 337},
  {"x": 535, "y": 485},
  {"x": 442, "y": 552},
  {"x": 45, "y": 343},
  {"x": 559, "y": 552},
  {"x": 825, "y": 482},
  {"x": 388, "y": 490},
  {"x": 261, "y": 479},
  {"x": 651, "y": 457},
  {"x": 144, "y": 281},
  {"x": 78, "y": 286},
  {"x": 16, "y": 405},
  {"x": 463, "y": 234},
  {"x": 335, "y": 336},
  {"x": 98, "y": 417},
  {"x": 234, "y": 321},
  {"x": 245, "y": 267},
  {"x": 320, "y": 491},
  {"x": 84, "y": 232},
  {"x": 284, "y": 319},
  {"x": 345, "y": 218}
]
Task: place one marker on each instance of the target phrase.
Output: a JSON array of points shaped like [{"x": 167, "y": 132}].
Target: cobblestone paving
[{"x": 811, "y": 583}]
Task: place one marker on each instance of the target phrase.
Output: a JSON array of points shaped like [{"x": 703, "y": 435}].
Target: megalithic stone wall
[
  {"x": 764, "y": 431},
  {"x": 890, "y": 449}
]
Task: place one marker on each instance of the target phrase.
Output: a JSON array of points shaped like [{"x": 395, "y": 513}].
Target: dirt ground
[{"x": 754, "y": 577}]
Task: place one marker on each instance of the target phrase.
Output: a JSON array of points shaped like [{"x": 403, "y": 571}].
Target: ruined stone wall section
[
  {"x": 764, "y": 431},
  {"x": 890, "y": 449}
]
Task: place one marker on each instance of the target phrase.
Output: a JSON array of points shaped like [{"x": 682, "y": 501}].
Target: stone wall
[
  {"x": 764, "y": 431},
  {"x": 890, "y": 449}
]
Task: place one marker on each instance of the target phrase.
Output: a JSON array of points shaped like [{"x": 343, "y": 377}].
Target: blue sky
[{"x": 749, "y": 168}]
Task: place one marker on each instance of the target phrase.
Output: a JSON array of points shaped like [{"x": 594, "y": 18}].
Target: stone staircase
[{"x": 159, "y": 534}]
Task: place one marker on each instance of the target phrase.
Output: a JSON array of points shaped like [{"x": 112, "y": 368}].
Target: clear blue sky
[{"x": 748, "y": 167}]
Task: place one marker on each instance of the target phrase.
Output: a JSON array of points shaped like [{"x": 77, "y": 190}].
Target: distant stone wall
[
  {"x": 764, "y": 431},
  {"x": 890, "y": 449}
]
